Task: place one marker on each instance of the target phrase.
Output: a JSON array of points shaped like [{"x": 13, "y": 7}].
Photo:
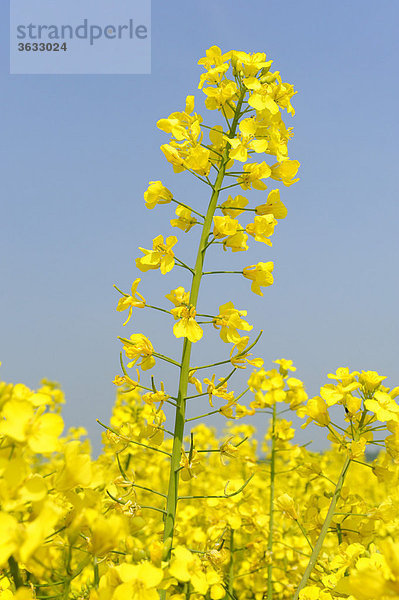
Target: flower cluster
[{"x": 77, "y": 527}]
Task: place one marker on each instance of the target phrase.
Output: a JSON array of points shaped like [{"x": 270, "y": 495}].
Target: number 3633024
[{"x": 42, "y": 47}]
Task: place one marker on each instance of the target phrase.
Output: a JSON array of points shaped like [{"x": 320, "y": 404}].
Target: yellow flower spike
[
  {"x": 135, "y": 300},
  {"x": 139, "y": 347},
  {"x": 260, "y": 275},
  {"x": 229, "y": 320},
  {"x": 160, "y": 257},
  {"x": 262, "y": 228},
  {"x": 273, "y": 206},
  {"x": 187, "y": 325},
  {"x": 185, "y": 220},
  {"x": 156, "y": 194}
]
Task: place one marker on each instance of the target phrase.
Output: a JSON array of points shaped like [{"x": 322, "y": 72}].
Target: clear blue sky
[{"x": 77, "y": 153}]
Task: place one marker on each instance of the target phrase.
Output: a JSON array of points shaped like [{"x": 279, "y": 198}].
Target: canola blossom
[{"x": 171, "y": 509}]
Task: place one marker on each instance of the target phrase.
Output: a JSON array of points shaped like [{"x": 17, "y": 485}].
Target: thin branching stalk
[
  {"x": 230, "y": 570},
  {"x": 326, "y": 525},
  {"x": 271, "y": 508},
  {"x": 172, "y": 495},
  {"x": 15, "y": 572}
]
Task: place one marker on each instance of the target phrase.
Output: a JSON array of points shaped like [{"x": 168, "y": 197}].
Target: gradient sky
[{"x": 77, "y": 153}]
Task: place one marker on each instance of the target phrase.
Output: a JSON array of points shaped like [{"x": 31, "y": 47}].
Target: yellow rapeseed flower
[
  {"x": 260, "y": 275},
  {"x": 187, "y": 326},
  {"x": 229, "y": 321},
  {"x": 160, "y": 257},
  {"x": 135, "y": 300},
  {"x": 139, "y": 347},
  {"x": 156, "y": 194}
]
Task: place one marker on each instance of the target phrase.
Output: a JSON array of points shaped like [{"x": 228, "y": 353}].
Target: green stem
[
  {"x": 230, "y": 572},
  {"x": 220, "y": 272},
  {"x": 122, "y": 437},
  {"x": 15, "y": 572},
  {"x": 142, "y": 487},
  {"x": 225, "y": 495},
  {"x": 318, "y": 545},
  {"x": 305, "y": 535},
  {"x": 271, "y": 507},
  {"x": 189, "y": 207},
  {"x": 213, "y": 412},
  {"x": 96, "y": 573},
  {"x": 172, "y": 498}
]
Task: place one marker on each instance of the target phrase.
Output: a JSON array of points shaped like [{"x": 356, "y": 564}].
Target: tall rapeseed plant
[{"x": 247, "y": 149}]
